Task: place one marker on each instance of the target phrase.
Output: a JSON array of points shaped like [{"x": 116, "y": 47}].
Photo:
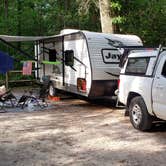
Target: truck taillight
[{"x": 118, "y": 83}]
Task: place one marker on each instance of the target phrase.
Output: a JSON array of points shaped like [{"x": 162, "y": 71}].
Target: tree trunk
[
  {"x": 105, "y": 16},
  {"x": 19, "y": 12},
  {"x": 6, "y": 8}
]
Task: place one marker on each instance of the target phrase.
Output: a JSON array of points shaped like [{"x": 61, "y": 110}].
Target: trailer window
[
  {"x": 164, "y": 70},
  {"x": 137, "y": 66},
  {"x": 52, "y": 55},
  {"x": 69, "y": 57}
]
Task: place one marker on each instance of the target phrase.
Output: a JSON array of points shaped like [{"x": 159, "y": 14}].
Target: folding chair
[
  {"x": 29, "y": 98},
  {"x": 7, "y": 99}
]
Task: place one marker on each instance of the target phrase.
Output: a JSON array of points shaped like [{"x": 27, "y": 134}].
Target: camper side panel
[
  {"x": 80, "y": 70},
  {"x": 104, "y": 73},
  {"x": 105, "y": 58}
]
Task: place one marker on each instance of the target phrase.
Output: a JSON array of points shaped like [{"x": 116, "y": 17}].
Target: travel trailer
[{"x": 83, "y": 62}]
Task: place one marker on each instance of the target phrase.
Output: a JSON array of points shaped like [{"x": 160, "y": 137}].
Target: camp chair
[
  {"x": 7, "y": 99},
  {"x": 23, "y": 100},
  {"x": 28, "y": 98}
]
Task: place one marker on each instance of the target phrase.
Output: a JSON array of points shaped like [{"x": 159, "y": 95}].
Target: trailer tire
[
  {"x": 139, "y": 116},
  {"x": 52, "y": 91}
]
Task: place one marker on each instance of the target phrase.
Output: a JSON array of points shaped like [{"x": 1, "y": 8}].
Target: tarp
[{"x": 6, "y": 62}]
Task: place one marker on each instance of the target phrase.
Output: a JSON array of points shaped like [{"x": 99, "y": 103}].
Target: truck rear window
[{"x": 137, "y": 66}]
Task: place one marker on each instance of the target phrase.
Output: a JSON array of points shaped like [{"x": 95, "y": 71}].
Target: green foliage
[
  {"x": 116, "y": 6},
  {"x": 145, "y": 18}
]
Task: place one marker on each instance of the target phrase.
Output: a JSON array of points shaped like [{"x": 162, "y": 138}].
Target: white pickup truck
[{"x": 142, "y": 88}]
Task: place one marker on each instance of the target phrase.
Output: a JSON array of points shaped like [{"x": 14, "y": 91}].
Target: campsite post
[{"x": 7, "y": 80}]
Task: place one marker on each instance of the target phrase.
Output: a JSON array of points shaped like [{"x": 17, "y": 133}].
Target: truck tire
[
  {"x": 139, "y": 116},
  {"x": 52, "y": 91}
]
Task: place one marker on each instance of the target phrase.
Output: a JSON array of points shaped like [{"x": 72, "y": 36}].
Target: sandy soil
[{"x": 78, "y": 133}]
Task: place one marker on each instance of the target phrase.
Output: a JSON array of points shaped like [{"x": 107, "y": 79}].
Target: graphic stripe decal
[{"x": 116, "y": 75}]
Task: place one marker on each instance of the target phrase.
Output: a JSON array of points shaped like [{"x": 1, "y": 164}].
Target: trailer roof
[{"x": 125, "y": 39}]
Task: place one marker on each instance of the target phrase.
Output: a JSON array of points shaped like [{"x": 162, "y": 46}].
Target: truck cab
[{"x": 142, "y": 87}]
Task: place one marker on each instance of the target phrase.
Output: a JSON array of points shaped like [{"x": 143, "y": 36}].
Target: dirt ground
[{"x": 78, "y": 133}]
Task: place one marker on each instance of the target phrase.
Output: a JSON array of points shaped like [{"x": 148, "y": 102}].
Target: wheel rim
[
  {"x": 51, "y": 90},
  {"x": 136, "y": 114}
]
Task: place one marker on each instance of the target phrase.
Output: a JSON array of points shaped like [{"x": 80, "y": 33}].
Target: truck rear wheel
[{"x": 139, "y": 115}]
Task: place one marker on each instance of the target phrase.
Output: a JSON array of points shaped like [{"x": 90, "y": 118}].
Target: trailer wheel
[
  {"x": 52, "y": 91},
  {"x": 139, "y": 116}
]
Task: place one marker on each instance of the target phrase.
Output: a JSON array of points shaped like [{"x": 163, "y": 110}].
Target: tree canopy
[{"x": 145, "y": 18}]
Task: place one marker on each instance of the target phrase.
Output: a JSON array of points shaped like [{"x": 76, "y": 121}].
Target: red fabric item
[{"x": 27, "y": 68}]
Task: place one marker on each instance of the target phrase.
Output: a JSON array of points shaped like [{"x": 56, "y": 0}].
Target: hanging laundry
[
  {"x": 6, "y": 62},
  {"x": 27, "y": 68}
]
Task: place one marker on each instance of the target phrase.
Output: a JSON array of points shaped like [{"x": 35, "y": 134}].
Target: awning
[
  {"x": 20, "y": 38},
  {"x": 25, "y": 38}
]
